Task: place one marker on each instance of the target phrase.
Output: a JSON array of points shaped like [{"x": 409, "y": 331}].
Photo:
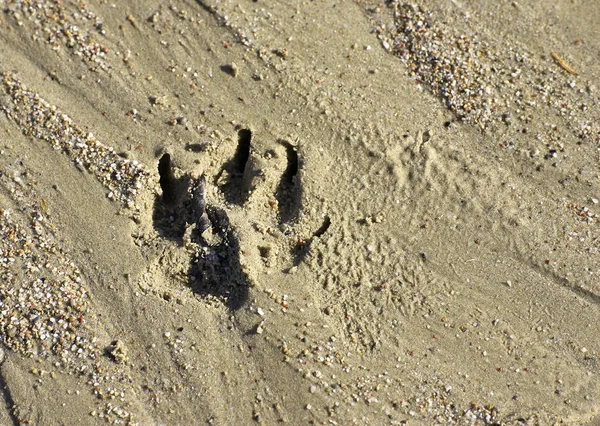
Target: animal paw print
[{"x": 248, "y": 208}]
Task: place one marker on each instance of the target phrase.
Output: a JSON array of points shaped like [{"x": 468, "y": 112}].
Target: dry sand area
[{"x": 304, "y": 212}]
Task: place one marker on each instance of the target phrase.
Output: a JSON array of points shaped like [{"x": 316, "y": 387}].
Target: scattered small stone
[
  {"x": 123, "y": 178},
  {"x": 260, "y": 327},
  {"x": 281, "y": 52},
  {"x": 153, "y": 18},
  {"x": 231, "y": 69},
  {"x": 465, "y": 71},
  {"x": 132, "y": 21},
  {"x": 66, "y": 30}
]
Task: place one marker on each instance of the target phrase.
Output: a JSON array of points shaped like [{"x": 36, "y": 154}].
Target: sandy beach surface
[{"x": 302, "y": 212}]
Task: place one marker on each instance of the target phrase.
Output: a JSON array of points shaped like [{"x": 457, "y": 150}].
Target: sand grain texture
[{"x": 220, "y": 212}]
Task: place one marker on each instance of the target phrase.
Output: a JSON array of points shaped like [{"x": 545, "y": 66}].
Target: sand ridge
[{"x": 309, "y": 213}]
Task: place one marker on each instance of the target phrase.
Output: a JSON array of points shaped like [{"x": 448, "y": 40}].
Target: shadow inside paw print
[
  {"x": 289, "y": 193},
  {"x": 233, "y": 170},
  {"x": 182, "y": 214}
]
